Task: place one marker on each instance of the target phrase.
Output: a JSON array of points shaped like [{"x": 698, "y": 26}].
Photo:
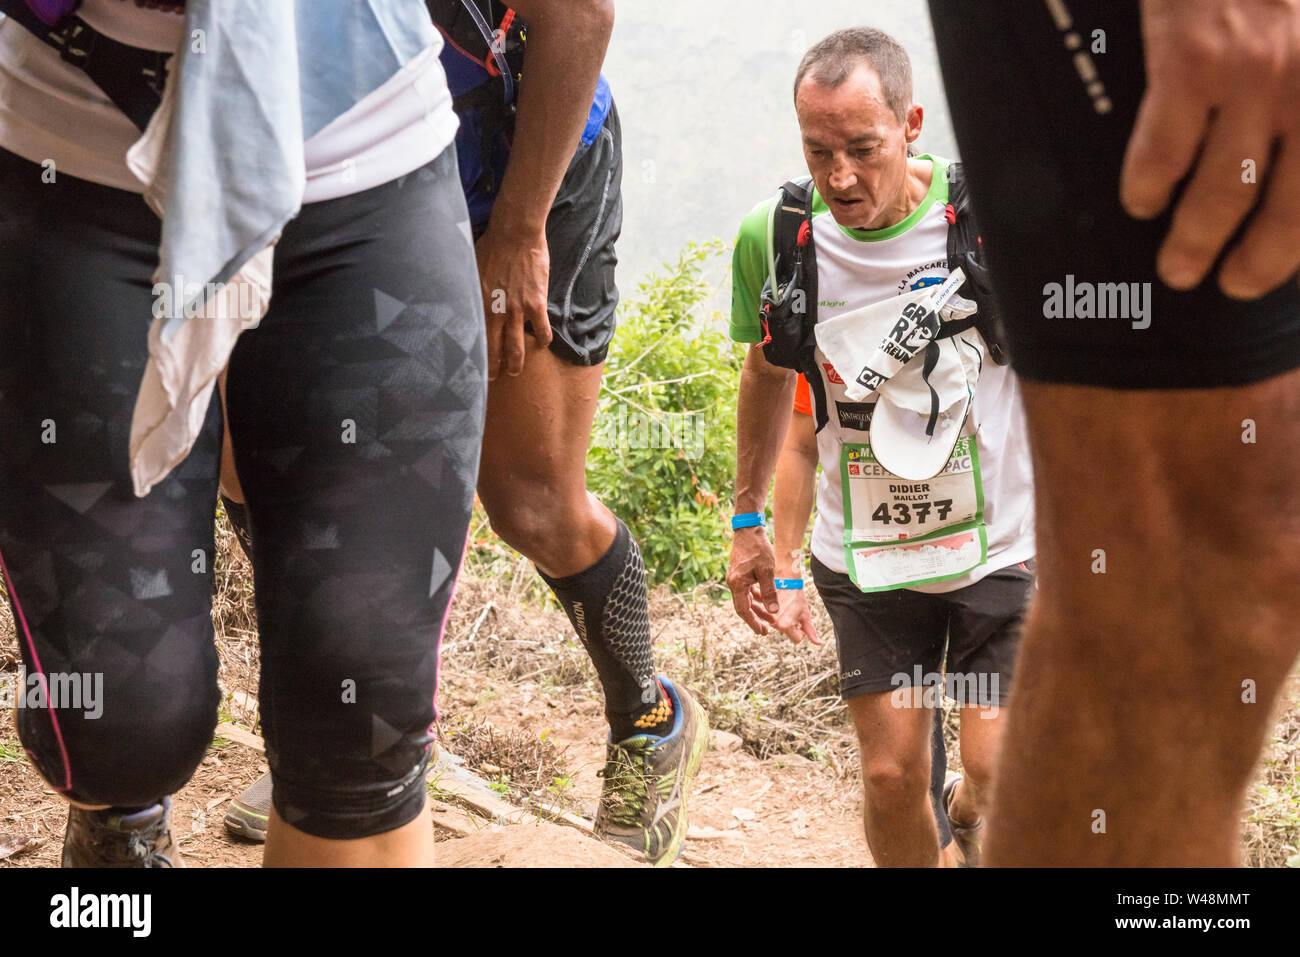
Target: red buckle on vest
[
  {"x": 805, "y": 233},
  {"x": 950, "y": 214},
  {"x": 767, "y": 335}
]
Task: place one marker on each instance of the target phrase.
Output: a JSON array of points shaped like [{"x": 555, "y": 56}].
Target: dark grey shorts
[
  {"x": 896, "y": 639},
  {"x": 581, "y": 231}
]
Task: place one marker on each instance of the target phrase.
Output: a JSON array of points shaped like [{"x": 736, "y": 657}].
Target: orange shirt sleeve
[{"x": 802, "y": 397}]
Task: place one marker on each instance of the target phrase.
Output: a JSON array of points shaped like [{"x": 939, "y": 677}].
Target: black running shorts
[
  {"x": 581, "y": 230},
  {"x": 895, "y": 639},
  {"x": 1043, "y": 148}
]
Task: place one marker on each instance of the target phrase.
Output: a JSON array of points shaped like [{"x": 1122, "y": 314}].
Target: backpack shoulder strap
[
  {"x": 965, "y": 250},
  {"x": 792, "y": 211},
  {"x": 958, "y": 216},
  {"x": 792, "y": 257},
  {"x": 495, "y": 45}
]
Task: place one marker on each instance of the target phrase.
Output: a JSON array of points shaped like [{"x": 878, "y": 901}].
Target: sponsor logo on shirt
[
  {"x": 870, "y": 379},
  {"x": 855, "y": 415},
  {"x": 831, "y": 375},
  {"x": 914, "y": 279}
]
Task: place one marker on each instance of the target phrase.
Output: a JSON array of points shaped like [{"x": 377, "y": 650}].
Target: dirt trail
[
  {"x": 785, "y": 811},
  {"x": 518, "y": 694}
]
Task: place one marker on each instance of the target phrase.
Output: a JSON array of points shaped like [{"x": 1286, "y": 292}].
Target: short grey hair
[{"x": 832, "y": 61}]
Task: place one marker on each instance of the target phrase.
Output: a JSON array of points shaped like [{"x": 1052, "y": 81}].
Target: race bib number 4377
[{"x": 899, "y": 533}]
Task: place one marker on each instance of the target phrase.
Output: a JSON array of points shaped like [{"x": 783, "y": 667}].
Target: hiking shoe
[
  {"x": 111, "y": 839},
  {"x": 250, "y": 811},
  {"x": 647, "y": 779},
  {"x": 968, "y": 837}
]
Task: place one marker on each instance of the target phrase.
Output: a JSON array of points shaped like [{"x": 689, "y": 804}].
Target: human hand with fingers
[
  {"x": 1223, "y": 81},
  {"x": 751, "y": 581},
  {"x": 514, "y": 273},
  {"x": 794, "y": 620}
]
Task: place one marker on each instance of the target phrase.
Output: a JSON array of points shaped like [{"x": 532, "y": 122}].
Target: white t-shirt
[
  {"x": 856, "y": 268},
  {"x": 51, "y": 110}
]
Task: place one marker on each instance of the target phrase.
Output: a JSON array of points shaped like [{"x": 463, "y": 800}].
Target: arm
[
  {"x": 762, "y": 414},
  {"x": 793, "y": 493},
  {"x": 1223, "y": 79},
  {"x": 792, "y": 505},
  {"x": 566, "y": 47},
  {"x": 766, "y": 393}
]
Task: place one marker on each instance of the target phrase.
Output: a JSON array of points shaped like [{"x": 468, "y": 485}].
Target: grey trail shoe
[
  {"x": 112, "y": 839},
  {"x": 249, "y": 813}
]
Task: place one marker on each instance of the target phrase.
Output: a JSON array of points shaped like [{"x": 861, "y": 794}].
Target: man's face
[{"x": 856, "y": 148}]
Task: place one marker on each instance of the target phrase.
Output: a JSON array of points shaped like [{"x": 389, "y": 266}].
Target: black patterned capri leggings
[{"x": 356, "y": 413}]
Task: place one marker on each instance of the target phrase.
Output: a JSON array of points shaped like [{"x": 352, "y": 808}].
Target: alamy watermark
[
  {"x": 72, "y": 691},
  {"x": 1098, "y": 300},
  {"x": 928, "y": 689},
  {"x": 181, "y": 299},
  {"x": 628, "y": 427}
]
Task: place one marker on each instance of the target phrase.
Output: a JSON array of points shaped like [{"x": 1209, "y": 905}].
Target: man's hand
[
  {"x": 795, "y": 619},
  {"x": 1223, "y": 84},
  {"x": 751, "y": 580},
  {"x": 514, "y": 272}
]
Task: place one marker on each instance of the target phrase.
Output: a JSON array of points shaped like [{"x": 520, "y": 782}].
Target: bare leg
[
  {"x": 410, "y": 845},
  {"x": 533, "y": 480},
  {"x": 980, "y": 736},
  {"x": 1143, "y": 694},
  {"x": 230, "y": 486},
  {"x": 894, "y": 745}
]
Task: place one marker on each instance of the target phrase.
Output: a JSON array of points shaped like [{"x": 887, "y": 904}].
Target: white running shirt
[
  {"x": 856, "y": 268},
  {"x": 50, "y": 109}
]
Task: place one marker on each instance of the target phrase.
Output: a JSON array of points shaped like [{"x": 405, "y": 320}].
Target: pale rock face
[{"x": 723, "y": 137}]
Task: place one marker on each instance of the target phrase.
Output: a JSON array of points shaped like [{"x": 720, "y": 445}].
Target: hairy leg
[
  {"x": 894, "y": 747},
  {"x": 1163, "y": 628}
]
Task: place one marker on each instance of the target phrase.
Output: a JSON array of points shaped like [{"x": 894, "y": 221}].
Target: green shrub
[{"x": 663, "y": 447}]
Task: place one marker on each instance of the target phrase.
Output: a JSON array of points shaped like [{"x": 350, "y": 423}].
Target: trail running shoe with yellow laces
[
  {"x": 647, "y": 780},
  {"x": 112, "y": 839}
]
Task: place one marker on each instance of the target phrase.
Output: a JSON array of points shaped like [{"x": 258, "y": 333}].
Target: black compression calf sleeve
[
  {"x": 607, "y": 605},
  {"x": 237, "y": 514}
]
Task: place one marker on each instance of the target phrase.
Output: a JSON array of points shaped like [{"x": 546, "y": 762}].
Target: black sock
[
  {"x": 237, "y": 515},
  {"x": 607, "y": 606}
]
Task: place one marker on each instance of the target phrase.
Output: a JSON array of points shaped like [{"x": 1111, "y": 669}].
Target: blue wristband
[
  {"x": 748, "y": 520},
  {"x": 789, "y": 584}
]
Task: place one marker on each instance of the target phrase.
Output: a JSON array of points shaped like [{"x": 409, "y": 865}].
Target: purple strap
[{"x": 50, "y": 12}]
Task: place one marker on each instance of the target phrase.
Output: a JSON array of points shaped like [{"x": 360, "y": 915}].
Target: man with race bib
[{"x": 924, "y": 534}]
